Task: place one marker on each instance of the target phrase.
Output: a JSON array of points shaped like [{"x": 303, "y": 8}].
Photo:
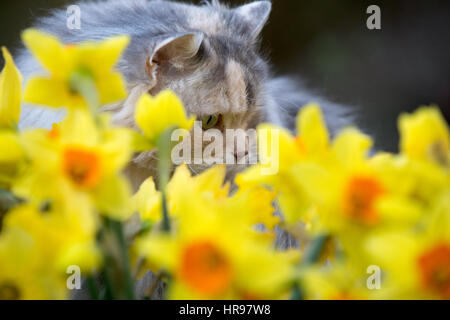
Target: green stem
[
  {"x": 165, "y": 212},
  {"x": 108, "y": 294},
  {"x": 312, "y": 253},
  {"x": 7, "y": 202},
  {"x": 92, "y": 288},
  {"x": 129, "y": 287},
  {"x": 297, "y": 293},
  {"x": 164, "y": 146},
  {"x": 82, "y": 82},
  {"x": 310, "y": 257}
]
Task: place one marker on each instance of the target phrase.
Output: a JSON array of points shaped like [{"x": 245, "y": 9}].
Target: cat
[{"x": 207, "y": 54}]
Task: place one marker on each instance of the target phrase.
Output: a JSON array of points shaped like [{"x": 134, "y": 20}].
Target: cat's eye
[{"x": 209, "y": 121}]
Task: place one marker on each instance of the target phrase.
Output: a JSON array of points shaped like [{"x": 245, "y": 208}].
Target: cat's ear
[
  {"x": 174, "y": 49},
  {"x": 255, "y": 15}
]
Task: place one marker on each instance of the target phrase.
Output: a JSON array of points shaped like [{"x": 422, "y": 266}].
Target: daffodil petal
[
  {"x": 156, "y": 114},
  {"x": 102, "y": 56},
  {"x": 10, "y": 92},
  {"x": 112, "y": 198},
  {"x": 50, "y": 52},
  {"x": 312, "y": 129},
  {"x": 111, "y": 88},
  {"x": 46, "y": 92}
]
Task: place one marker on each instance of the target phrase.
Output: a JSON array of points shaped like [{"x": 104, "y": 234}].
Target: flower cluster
[
  {"x": 65, "y": 201},
  {"x": 363, "y": 209}
]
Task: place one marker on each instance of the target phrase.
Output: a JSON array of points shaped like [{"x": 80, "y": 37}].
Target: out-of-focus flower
[
  {"x": 417, "y": 262},
  {"x": 256, "y": 202},
  {"x": 354, "y": 199},
  {"x": 11, "y": 161},
  {"x": 79, "y": 156},
  {"x": 65, "y": 62},
  {"x": 210, "y": 257},
  {"x": 148, "y": 202},
  {"x": 212, "y": 248},
  {"x": 23, "y": 272},
  {"x": 182, "y": 186},
  {"x": 10, "y": 93},
  {"x": 12, "y": 154},
  {"x": 210, "y": 191},
  {"x": 156, "y": 114},
  {"x": 311, "y": 143},
  {"x": 424, "y": 135},
  {"x": 64, "y": 234},
  {"x": 418, "y": 183},
  {"x": 334, "y": 282}
]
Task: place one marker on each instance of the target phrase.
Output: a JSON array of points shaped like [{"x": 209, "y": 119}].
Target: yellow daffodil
[
  {"x": 210, "y": 258},
  {"x": 156, "y": 114},
  {"x": 353, "y": 198},
  {"x": 417, "y": 262},
  {"x": 425, "y": 135},
  {"x": 12, "y": 161},
  {"x": 79, "y": 156},
  {"x": 281, "y": 150},
  {"x": 290, "y": 195},
  {"x": 12, "y": 154},
  {"x": 257, "y": 203},
  {"x": 313, "y": 135},
  {"x": 23, "y": 272},
  {"x": 63, "y": 233},
  {"x": 334, "y": 282},
  {"x": 147, "y": 201},
  {"x": 194, "y": 225},
  {"x": 419, "y": 183},
  {"x": 209, "y": 189},
  {"x": 348, "y": 188},
  {"x": 65, "y": 62},
  {"x": 10, "y": 93}
]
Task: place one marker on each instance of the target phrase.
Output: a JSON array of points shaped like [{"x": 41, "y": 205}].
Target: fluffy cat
[{"x": 207, "y": 54}]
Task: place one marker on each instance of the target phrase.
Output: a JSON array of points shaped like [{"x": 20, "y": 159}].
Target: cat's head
[{"x": 213, "y": 65}]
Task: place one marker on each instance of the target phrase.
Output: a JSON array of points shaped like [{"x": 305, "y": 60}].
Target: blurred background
[{"x": 327, "y": 44}]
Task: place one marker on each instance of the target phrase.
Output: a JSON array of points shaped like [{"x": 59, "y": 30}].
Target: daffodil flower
[
  {"x": 23, "y": 272},
  {"x": 11, "y": 161},
  {"x": 416, "y": 262},
  {"x": 425, "y": 135},
  {"x": 311, "y": 144},
  {"x": 209, "y": 189},
  {"x": 156, "y": 114},
  {"x": 79, "y": 156},
  {"x": 69, "y": 65},
  {"x": 64, "y": 233},
  {"x": 13, "y": 154},
  {"x": 336, "y": 282},
  {"x": 243, "y": 266},
  {"x": 10, "y": 92}
]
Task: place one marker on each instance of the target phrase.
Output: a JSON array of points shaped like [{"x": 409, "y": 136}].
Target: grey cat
[{"x": 207, "y": 54}]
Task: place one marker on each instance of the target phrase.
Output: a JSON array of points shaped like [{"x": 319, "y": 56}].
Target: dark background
[{"x": 327, "y": 44}]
